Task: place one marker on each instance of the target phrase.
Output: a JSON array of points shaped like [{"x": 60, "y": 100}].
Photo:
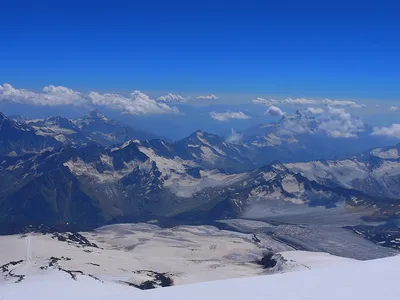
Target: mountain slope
[
  {"x": 39, "y": 189},
  {"x": 93, "y": 184},
  {"x": 94, "y": 127},
  {"x": 376, "y": 172},
  {"x": 211, "y": 152},
  {"x": 274, "y": 188},
  {"x": 100, "y": 129},
  {"x": 17, "y": 138},
  {"x": 199, "y": 178},
  {"x": 62, "y": 129}
]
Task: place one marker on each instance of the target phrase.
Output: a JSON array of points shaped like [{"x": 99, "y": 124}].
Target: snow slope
[
  {"x": 368, "y": 280},
  {"x": 362, "y": 280},
  {"x": 123, "y": 252}
]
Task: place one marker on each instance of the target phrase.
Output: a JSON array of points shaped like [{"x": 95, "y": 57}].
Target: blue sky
[
  {"x": 337, "y": 49},
  {"x": 217, "y": 56}
]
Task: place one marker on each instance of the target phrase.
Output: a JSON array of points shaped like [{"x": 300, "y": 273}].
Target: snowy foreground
[
  {"x": 121, "y": 261},
  {"x": 126, "y": 252},
  {"x": 134, "y": 254},
  {"x": 377, "y": 279}
]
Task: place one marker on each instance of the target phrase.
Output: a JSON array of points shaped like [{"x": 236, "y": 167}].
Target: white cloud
[
  {"x": 339, "y": 112},
  {"x": 59, "y": 95},
  {"x": 340, "y": 124},
  {"x": 295, "y": 127},
  {"x": 207, "y": 97},
  {"x": 333, "y": 121},
  {"x": 392, "y": 131},
  {"x": 274, "y": 111},
  {"x": 393, "y": 108},
  {"x": 315, "y": 110},
  {"x": 9, "y": 93},
  {"x": 137, "y": 103},
  {"x": 142, "y": 104},
  {"x": 267, "y": 102},
  {"x": 299, "y": 101},
  {"x": 235, "y": 137},
  {"x": 341, "y": 103},
  {"x": 228, "y": 116},
  {"x": 50, "y": 96},
  {"x": 304, "y": 101},
  {"x": 172, "y": 98},
  {"x": 114, "y": 100}
]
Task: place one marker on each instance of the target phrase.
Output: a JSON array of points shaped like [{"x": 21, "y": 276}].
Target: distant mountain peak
[
  {"x": 299, "y": 114},
  {"x": 195, "y": 135},
  {"x": 199, "y": 132}
]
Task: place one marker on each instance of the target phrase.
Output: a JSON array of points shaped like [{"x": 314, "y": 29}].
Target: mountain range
[
  {"x": 95, "y": 170},
  {"x": 301, "y": 137},
  {"x": 95, "y": 128}
]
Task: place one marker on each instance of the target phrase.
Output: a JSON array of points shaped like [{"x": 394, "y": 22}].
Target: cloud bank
[
  {"x": 137, "y": 103},
  {"x": 315, "y": 110},
  {"x": 333, "y": 122},
  {"x": 225, "y": 116},
  {"x": 299, "y": 101},
  {"x": 172, "y": 98},
  {"x": 342, "y": 103},
  {"x": 304, "y": 101},
  {"x": 207, "y": 97},
  {"x": 50, "y": 95},
  {"x": 266, "y": 102},
  {"x": 340, "y": 124},
  {"x": 391, "y": 131}
]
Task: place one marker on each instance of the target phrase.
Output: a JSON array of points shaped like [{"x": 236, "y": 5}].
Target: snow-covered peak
[{"x": 126, "y": 144}]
